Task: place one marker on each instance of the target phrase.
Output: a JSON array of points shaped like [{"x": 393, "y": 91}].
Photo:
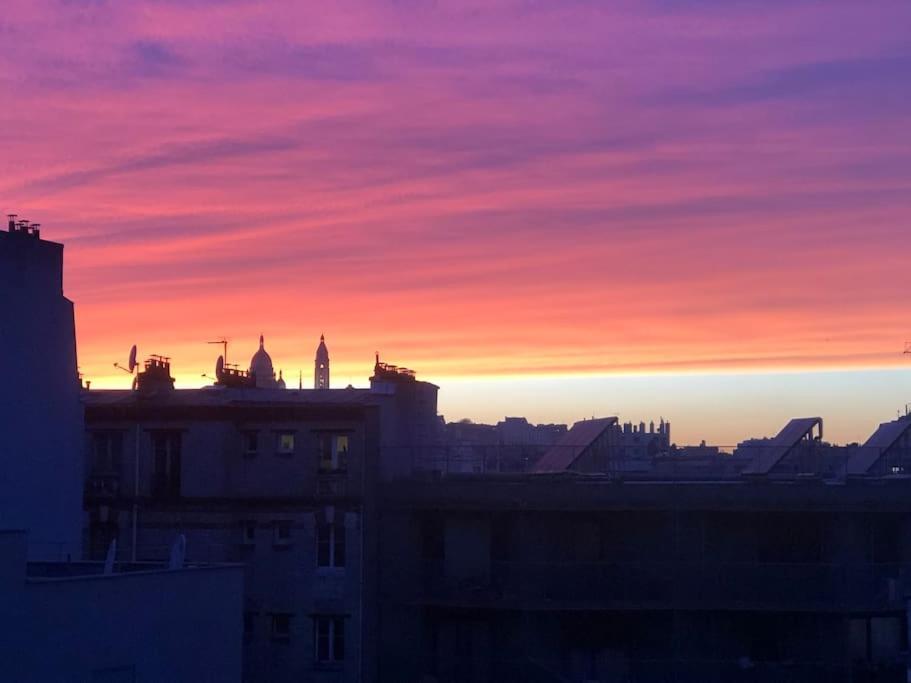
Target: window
[
  {"x": 329, "y": 633},
  {"x": 249, "y": 532},
  {"x": 166, "y": 464},
  {"x": 285, "y": 443},
  {"x": 433, "y": 539},
  {"x": 281, "y": 626},
  {"x": 282, "y": 534},
  {"x": 333, "y": 452},
  {"x": 330, "y": 545},
  {"x": 250, "y": 441},
  {"x": 107, "y": 449},
  {"x": 249, "y": 624}
]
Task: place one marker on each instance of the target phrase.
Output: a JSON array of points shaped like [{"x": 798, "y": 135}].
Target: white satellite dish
[
  {"x": 219, "y": 367},
  {"x": 178, "y": 552},
  {"x": 110, "y": 557}
]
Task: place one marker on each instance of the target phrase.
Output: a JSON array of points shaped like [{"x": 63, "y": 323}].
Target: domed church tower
[
  {"x": 261, "y": 367},
  {"x": 321, "y": 366}
]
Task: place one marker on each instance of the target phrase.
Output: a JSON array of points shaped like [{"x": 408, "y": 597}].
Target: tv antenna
[{"x": 224, "y": 345}]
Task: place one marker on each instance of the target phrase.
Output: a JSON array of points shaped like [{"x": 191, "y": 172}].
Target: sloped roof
[
  {"x": 572, "y": 444},
  {"x": 885, "y": 435},
  {"x": 773, "y": 452}
]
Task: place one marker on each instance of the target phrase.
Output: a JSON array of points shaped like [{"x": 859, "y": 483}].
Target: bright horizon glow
[{"x": 485, "y": 192}]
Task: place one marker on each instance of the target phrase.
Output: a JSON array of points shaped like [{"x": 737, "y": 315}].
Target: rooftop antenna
[
  {"x": 131, "y": 363},
  {"x": 224, "y": 344}
]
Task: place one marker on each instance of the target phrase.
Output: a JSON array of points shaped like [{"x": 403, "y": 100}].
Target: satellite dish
[
  {"x": 110, "y": 557},
  {"x": 178, "y": 552},
  {"x": 132, "y": 363},
  {"x": 220, "y": 367}
]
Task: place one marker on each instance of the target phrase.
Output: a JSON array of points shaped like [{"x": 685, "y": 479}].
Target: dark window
[
  {"x": 785, "y": 538},
  {"x": 330, "y": 639},
  {"x": 502, "y": 535},
  {"x": 107, "y": 449},
  {"x": 887, "y": 534},
  {"x": 249, "y": 532},
  {"x": 281, "y": 626},
  {"x": 166, "y": 464},
  {"x": 333, "y": 452},
  {"x": 330, "y": 545},
  {"x": 282, "y": 533},
  {"x": 249, "y": 624},
  {"x": 432, "y": 538},
  {"x": 250, "y": 442}
]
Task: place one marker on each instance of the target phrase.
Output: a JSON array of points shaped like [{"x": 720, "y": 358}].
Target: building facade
[
  {"x": 276, "y": 480},
  {"x": 61, "y": 618},
  {"x": 761, "y": 571}
]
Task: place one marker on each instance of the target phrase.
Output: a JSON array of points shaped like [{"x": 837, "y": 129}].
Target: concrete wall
[{"x": 180, "y": 626}]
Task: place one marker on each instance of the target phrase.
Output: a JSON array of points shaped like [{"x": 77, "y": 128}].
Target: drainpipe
[{"x": 135, "y": 489}]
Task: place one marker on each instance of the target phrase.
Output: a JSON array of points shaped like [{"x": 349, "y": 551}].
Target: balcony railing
[{"x": 664, "y": 585}]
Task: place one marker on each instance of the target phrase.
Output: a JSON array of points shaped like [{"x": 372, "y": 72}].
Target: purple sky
[{"x": 490, "y": 189}]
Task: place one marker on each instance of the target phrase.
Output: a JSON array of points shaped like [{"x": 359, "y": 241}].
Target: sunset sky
[{"x": 558, "y": 209}]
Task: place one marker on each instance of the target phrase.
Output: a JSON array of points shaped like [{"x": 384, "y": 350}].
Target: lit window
[
  {"x": 333, "y": 453},
  {"x": 286, "y": 442},
  {"x": 281, "y": 626},
  {"x": 330, "y": 545},
  {"x": 330, "y": 639}
]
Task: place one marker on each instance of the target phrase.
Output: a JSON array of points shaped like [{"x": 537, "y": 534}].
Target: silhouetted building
[
  {"x": 261, "y": 369},
  {"x": 321, "y": 365},
  {"x": 73, "y": 620},
  {"x": 727, "y": 568},
  {"x": 277, "y": 480},
  {"x": 39, "y": 466}
]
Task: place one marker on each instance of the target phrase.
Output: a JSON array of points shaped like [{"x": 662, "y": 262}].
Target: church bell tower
[{"x": 321, "y": 366}]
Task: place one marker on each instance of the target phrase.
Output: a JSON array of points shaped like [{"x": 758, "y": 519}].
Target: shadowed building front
[{"x": 61, "y": 618}]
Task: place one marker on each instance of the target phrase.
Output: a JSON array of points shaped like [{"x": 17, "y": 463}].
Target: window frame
[
  {"x": 329, "y": 630},
  {"x": 274, "y": 620},
  {"x": 281, "y": 533},
  {"x": 280, "y": 434},
  {"x": 249, "y": 436},
  {"x": 333, "y": 458},
  {"x": 331, "y": 542},
  {"x": 248, "y": 531}
]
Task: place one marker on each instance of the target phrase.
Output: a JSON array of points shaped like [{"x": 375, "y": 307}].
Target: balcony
[{"x": 665, "y": 585}]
